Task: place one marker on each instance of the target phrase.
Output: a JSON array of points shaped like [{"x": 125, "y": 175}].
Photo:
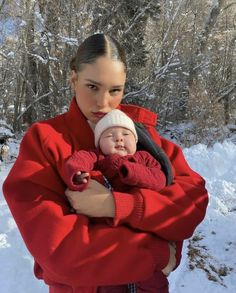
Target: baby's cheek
[{"x": 132, "y": 149}]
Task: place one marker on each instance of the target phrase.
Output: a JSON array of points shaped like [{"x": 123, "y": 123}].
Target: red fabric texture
[
  {"x": 158, "y": 283},
  {"x": 72, "y": 253},
  {"x": 140, "y": 170}
]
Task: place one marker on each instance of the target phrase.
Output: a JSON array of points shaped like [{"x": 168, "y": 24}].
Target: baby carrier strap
[{"x": 145, "y": 142}]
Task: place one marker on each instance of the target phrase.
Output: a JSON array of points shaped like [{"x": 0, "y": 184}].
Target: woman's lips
[{"x": 99, "y": 114}]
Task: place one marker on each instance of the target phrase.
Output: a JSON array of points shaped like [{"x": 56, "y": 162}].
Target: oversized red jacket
[
  {"x": 71, "y": 252},
  {"x": 122, "y": 172}
]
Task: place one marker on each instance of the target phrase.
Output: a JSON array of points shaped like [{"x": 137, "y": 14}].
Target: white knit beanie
[{"x": 111, "y": 119}]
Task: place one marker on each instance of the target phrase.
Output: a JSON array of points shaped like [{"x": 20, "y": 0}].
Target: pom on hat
[{"x": 112, "y": 119}]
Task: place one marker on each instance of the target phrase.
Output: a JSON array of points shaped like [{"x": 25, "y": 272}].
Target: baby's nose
[{"x": 119, "y": 138}]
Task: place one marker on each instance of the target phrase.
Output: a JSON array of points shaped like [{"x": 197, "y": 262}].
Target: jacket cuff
[
  {"x": 128, "y": 208},
  {"x": 128, "y": 173}
]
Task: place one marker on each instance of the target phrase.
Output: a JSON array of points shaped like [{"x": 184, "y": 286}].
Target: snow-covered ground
[{"x": 209, "y": 258}]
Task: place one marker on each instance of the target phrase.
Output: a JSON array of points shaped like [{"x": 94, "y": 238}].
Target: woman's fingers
[
  {"x": 172, "y": 259},
  {"x": 94, "y": 201}
]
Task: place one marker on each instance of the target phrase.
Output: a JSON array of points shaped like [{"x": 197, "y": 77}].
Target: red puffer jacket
[{"x": 71, "y": 253}]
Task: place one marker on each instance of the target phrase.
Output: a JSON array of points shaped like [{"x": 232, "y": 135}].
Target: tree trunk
[{"x": 31, "y": 68}]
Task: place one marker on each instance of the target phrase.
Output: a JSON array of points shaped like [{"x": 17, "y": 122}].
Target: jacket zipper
[{"x": 131, "y": 288}]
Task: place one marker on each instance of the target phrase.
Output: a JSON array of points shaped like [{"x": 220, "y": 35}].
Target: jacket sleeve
[
  {"x": 67, "y": 247},
  {"x": 142, "y": 170},
  {"x": 172, "y": 213},
  {"x": 83, "y": 161}
]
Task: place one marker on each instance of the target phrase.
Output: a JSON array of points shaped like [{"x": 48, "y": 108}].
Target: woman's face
[{"x": 99, "y": 87}]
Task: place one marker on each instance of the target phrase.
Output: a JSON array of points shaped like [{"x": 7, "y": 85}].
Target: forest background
[{"x": 181, "y": 60}]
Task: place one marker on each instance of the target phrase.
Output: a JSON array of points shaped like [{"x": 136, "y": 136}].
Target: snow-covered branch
[
  {"x": 226, "y": 91},
  {"x": 33, "y": 102}
]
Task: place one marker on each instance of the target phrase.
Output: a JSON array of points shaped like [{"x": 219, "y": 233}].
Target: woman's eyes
[
  {"x": 115, "y": 90},
  {"x": 95, "y": 88},
  {"x": 92, "y": 87}
]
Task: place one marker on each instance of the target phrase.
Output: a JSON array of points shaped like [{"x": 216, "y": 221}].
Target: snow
[
  {"x": 69, "y": 41},
  {"x": 23, "y": 23},
  {"x": 217, "y": 232},
  {"x": 209, "y": 257},
  {"x": 11, "y": 54},
  {"x": 5, "y": 130}
]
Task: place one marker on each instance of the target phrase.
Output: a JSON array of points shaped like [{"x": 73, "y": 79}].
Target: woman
[{"x": 72, "y": 252}]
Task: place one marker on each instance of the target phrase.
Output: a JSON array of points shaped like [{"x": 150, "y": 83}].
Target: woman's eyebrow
[
  {"x": 93, "y": 81},
  {"x": 118, "y": 86},
  {"x": 98, "y": 83}
]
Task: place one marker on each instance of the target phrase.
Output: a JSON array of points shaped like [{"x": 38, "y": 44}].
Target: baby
[{"x": 115, "y": 162}]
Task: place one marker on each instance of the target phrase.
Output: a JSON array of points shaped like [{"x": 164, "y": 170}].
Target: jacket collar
[
  {"x": 139, "y": 114},
  {"x": 81, "y": 133},
  {"x": 77, "y": 124}
]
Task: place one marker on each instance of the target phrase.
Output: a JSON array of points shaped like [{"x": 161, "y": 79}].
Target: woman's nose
[{"x": 102, "y": 100}]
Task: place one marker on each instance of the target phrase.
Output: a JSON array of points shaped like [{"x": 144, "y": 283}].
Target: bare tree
[{"x": 181, "y": 56}]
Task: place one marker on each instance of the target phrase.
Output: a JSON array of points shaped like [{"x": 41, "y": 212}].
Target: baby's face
[{"x": 117, "y": 140}]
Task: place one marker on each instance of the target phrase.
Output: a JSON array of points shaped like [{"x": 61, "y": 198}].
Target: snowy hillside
[{"x": 209, "y": 258}]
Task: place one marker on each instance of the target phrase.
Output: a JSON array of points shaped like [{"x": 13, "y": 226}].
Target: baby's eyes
[{"x": 114, "y": 135}]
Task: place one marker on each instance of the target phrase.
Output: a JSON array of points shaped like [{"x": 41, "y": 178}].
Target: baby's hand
[{"x": 81, "y": 177}]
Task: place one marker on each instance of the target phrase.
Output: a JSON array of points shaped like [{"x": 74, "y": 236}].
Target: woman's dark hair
[{"x": 95, "y": 46}]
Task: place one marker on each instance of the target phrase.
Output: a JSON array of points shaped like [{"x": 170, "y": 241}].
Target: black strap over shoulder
[{"x": 145, "y": 142}]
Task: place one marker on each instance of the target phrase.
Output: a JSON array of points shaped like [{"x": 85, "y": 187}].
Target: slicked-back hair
[{"x": 95, "y": 46}]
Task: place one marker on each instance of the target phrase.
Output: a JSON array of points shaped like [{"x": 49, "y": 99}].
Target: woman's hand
[
  {"x": 95, "y": 201},
  {"x": 172, "y": 260}
]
